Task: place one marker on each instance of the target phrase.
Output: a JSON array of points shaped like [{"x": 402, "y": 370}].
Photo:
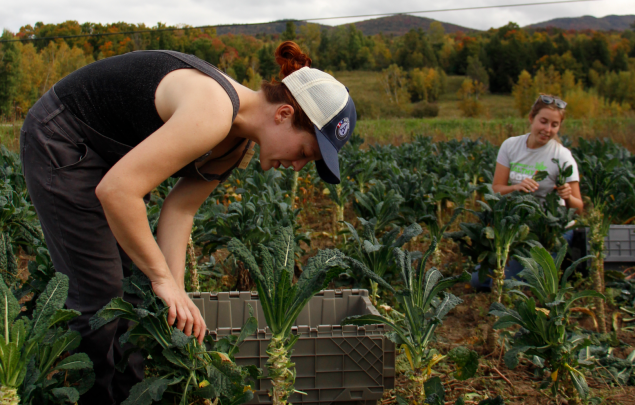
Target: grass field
[
  {"x": 381, "y": 122},
  {"x": 371, "y": 100},
  {"x": 398, "y": 130},
  {"x": 10, "y": 134}
]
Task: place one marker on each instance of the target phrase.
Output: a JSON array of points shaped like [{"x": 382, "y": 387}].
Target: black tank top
[{"x": 115, "y": 97}]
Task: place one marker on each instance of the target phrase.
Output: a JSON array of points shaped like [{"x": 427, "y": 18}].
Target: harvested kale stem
[
  {"x": 608, "y": 187},
  {"x": 282, "y": 301}
]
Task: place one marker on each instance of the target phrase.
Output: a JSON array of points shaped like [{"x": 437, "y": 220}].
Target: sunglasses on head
[{"x": 552, "y": 100}]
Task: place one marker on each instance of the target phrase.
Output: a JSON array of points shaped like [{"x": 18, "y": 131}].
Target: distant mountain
[
  {"x": 396, "y": 25},
  {"x": 275, "y": 27},
  {"x": 402, "y": 23},
  {"x": 587, "y": 22}
]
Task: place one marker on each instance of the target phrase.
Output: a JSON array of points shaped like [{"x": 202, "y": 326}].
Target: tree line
[{"x": 493, "y": 59}]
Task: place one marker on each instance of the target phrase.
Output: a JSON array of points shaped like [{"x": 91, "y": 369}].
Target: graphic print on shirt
[{"x": 521, "y": 171}]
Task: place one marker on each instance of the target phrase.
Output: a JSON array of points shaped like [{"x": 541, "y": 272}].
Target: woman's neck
[
  {"x": 532, "y": 143},
  {"x": 251, "y": 115}
]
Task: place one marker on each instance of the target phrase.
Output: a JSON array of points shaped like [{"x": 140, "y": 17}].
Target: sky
[{"x": 208, "y": 12}]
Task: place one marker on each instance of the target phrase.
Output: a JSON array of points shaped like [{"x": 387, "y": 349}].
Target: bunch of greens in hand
[
  {"x": 540, "y": 175},
  {"x": 183, "y": 369},
  {"x": 543, "y": 322},
  {"x": 550, "y": 227},
  {"x": 282, "y": 301},
  {"x": 425, "y": 303},
  {"x": 564, "y": 172},
  {"x": 30, "y": 348}
]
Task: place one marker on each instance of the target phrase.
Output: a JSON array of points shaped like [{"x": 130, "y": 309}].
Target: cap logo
[{"x": 342, "y": 128}]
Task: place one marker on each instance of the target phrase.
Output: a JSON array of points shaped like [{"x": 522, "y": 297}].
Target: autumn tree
[
  {"x": 436, "y": 33},
  {"x": 289, "y": 32},
  {"x": 568, "y": 82},
  {"x": 524, "y": 93},
  {"x": 509, "y": 53},
  {"x": 9, "y": 73},
  {"x": 426, "y": 84},
  {"x": 253, "y": 80},
  {"x": 476, "y": 71},
  {"x": 415, "y": 51},
  {"x": 32, "y": 70},
  {"x": 548, "y": 81},
  {"x": 469, "y": 98},
  {"x": 393, "y": 81}
]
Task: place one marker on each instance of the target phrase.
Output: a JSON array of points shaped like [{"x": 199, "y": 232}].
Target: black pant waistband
[{"x": 49, "y": 109}]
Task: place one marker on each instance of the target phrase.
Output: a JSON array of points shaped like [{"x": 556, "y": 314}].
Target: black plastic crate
[
  {"x": 619, "y": 247},
  {"x": 334, "y": 364}
]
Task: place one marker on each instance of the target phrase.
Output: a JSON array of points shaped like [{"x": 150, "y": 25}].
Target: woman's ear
[{"x": 284, "y": 113}]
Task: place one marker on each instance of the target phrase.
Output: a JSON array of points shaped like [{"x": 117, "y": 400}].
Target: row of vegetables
[{"x": 403, "y": 197}]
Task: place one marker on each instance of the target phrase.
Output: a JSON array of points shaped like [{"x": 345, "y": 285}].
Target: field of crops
[{"x": 410, "y": 223}]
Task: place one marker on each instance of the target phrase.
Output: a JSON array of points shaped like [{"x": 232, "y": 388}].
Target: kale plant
[
  {"x": 543, "y": 322},
  {"x": 19, "y": 227},
  {"x": 369, "y": 254},
  {"x": 379, "y": 202},
  {"x": 182, "y": 369},
  {"x": 425, "y": 303},
  {"x": 30, "y": 348},
  {"x": 502, "y": 228}
]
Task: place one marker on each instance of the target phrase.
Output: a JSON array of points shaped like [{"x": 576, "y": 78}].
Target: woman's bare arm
[
  {"x": 196, "y": 126},
  {"x": 501, "y": 179},
  {"x": 176, "y": 219},
  {"x": 180, "y": 206},
  {"x": 571, "y": 195}
]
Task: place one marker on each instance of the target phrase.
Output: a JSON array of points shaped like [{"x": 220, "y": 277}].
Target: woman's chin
[{"x": 266, "y": 165}]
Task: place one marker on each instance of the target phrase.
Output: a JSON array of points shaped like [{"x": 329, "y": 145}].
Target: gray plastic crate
[
  {"x": 619, "y": 247},
  {"x": 347, "y": 365}
]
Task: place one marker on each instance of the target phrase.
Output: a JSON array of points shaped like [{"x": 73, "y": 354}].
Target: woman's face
[
  {"x": 545, "y": 125},
  {"x": 286, "y": 146}
]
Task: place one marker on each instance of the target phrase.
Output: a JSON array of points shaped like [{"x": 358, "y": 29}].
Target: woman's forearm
[
  {"x": 173, "y": 233},
  {"x": 503, "y": 188},
  {"x": 575, "y": 202},
  {"x": 175, "y": 223},
  {"x": 126, "y": 215}
]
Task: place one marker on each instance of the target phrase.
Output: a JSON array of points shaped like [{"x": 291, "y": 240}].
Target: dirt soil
[{"x": 470, "y": 325}]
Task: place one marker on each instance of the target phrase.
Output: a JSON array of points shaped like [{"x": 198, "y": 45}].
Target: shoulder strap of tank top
[
  {"x": 210, "y": 70},
  {"x": 223, "y": 176}
]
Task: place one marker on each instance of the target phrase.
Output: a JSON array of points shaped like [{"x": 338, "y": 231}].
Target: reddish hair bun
[{"x": 290, "y": 58}]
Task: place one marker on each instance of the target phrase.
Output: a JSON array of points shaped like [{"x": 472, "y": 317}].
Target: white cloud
[{"x": 206, "y": 12}]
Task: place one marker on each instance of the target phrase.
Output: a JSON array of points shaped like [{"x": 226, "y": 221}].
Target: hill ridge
[{"x": 589, "y": 22}]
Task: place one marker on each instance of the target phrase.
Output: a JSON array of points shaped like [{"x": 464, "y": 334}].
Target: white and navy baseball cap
[{"x": 331, "y": 109}]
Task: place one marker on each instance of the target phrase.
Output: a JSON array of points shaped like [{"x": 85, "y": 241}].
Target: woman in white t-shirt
[{"x": 520, "y": 157}]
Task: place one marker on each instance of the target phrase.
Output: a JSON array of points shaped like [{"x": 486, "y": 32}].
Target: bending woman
[{"x": 106, "y": 135}]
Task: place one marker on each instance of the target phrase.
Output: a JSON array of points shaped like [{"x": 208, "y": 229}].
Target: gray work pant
[{"x": 61, "y": 173}]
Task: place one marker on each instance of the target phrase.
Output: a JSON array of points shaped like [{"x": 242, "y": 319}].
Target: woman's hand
[
  {"x": 181, "y": 308},
  {"x": 564, "y": 191},
  {"x": 528, "y": 185}
]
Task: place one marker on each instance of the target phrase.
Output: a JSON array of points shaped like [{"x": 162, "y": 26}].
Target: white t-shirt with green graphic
[{"x": 524, "y": 162}]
